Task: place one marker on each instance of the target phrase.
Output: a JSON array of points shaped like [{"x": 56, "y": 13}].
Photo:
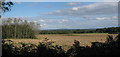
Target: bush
[{"x": 46, "y": 49}]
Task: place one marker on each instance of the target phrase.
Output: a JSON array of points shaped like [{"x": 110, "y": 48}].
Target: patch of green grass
[
  {"x": 71, "y": 35},
  {"x": 83, "y": 33},
  {"x": 94, "y": 33}
]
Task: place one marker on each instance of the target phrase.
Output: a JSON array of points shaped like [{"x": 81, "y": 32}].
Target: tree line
[
  {"x": 17, "y": 28},
  {"x": 110, "y": 30}
]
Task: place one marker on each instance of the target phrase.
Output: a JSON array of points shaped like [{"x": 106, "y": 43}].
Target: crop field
[{"x": 67, "y": 40}]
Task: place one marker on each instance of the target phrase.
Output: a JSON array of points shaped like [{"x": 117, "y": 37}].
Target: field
[{"x": 67, "y": 40}]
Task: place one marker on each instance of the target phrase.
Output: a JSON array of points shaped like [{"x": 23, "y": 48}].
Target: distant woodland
[
  {"x": 18, "y": 28},
  {"x": 110, "y": 30}
]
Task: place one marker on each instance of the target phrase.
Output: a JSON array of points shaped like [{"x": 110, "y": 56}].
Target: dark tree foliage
[
  {"x": 110, "y": 48},
  {"x": 110, "y": 30},
  {"x": 66, "y": 31},
  {"x": 6, "y": 6},
  {"x": 45, "y": 49},
  {"x": 16, "y": 28}
]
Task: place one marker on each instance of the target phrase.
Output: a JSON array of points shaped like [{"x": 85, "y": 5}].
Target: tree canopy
[{"x": 17, "y": 28}]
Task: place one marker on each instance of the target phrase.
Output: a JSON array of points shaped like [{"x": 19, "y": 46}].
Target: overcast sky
[{"x": 67, "y": 15}]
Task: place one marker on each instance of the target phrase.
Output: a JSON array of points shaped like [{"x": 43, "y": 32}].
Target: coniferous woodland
[{"x": 17, "y": 28}]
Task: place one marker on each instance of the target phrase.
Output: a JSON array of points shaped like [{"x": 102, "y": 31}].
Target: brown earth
[{"x": 67, "y": 40}]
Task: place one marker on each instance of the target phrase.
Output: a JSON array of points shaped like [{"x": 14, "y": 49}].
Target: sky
[
  {"x": 67, "y": 15},
  {"x": 64, "y": 0}
]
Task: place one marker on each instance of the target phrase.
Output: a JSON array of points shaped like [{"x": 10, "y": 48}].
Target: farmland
[
  {"x": 64, "y": 29},
  {"x": 67, "y": 40}
]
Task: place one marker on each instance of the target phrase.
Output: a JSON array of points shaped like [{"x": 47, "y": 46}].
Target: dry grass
[{"x": 67, "y": 40}]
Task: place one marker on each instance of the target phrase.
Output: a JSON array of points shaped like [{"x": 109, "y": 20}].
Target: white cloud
[
  {"x": 107, "y": 18},
  {"x": 35, "y": 21},
  {"x": 42, "y": 20},
  {"x": 18, "y": 2},
  {"x": 73, "y": 3},
  {"x": 42, "y": 25},
  {"x": 92, "y": 9},
  {"x": 58, "y": 11},
  {"x": 65, "y": 20},
  {"x": 74, "y": 8},
  {"x": 115, "y": 17},
  {"x": 110, "y": 0},
  {"x": 100, "y": 18},
  {"x": 105, "y": 21}
]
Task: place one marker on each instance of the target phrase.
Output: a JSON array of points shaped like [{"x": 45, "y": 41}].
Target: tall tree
[{"x": 16, "y": 28}]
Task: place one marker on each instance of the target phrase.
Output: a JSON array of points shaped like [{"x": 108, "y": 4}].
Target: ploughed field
[{"x": 67, "y": 40}]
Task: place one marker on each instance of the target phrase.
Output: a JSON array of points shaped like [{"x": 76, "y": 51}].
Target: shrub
[{"x": 46, "y": 49}]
